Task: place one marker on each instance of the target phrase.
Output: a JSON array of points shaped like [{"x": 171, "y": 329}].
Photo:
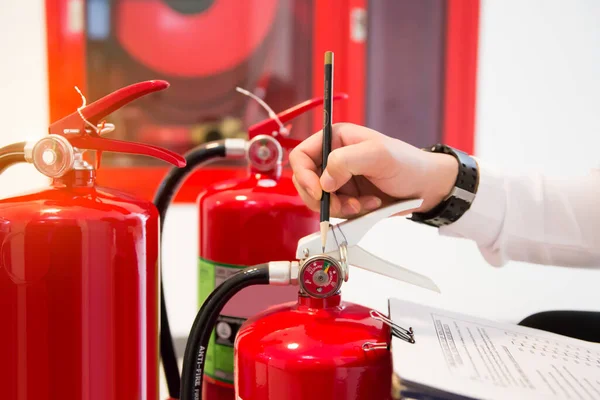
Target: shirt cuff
[{"x": 483, "y": 221}]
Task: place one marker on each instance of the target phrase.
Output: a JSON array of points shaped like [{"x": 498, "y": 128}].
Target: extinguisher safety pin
[
  {"x": 101, "y": 129},
  {"x": 83, "y": 105},
  {"x": 268, "y": 109},
  {"x": 104, "y": 128},
  {"x": 345, "y": 242},
  {"x": 343, "y": 249},
  {"x": 401, "y": 333}
]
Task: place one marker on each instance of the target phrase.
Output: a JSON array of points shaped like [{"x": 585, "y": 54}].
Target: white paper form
[{"x": 481, "y": 359}]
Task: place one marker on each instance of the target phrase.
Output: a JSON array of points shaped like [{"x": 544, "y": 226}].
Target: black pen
[{"x": 327, "y": 127}]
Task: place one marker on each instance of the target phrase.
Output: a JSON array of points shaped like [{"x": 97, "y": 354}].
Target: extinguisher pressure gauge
[
  {"x": 320, "y": 276},
  {"x": 265, "y": 153},
  {"x": 53, "y": 156}
]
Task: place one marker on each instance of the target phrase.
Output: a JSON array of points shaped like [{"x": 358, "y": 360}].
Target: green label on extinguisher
[{"x": 219, "y": 355}]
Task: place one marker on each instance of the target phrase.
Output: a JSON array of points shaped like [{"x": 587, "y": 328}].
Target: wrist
[{"x": 439, "y": 180}]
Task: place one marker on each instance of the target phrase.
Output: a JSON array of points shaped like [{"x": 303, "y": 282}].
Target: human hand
[{"x": 367, "y": 169}]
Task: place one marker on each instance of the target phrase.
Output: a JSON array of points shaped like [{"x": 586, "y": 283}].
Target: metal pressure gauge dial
[
  {"x": 265, "y": 153},
  {"x": 53, "y": 156},
  {"x": 321, "y": 276}
]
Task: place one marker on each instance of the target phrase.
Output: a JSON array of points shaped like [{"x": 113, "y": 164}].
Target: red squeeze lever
[
  {"x": 270, "y": 125},
  {"x": 73, "y": 127}
]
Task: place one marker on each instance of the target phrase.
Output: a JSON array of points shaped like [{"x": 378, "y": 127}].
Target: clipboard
[{"x": 456, "y": 356}]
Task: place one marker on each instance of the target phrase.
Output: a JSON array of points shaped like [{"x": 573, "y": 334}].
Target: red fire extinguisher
[
  {"x": 79, "y": 269},
  {"x": 317, "y": 347},
  {"x": 242, "y": 222}
]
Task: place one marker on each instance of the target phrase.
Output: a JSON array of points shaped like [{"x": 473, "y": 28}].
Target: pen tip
[{"x": 329, "y": 57}]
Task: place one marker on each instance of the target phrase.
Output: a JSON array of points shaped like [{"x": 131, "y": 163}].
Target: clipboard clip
[
  {"x": 369, "y": 346},
  {"x": 407, "y": 335}
]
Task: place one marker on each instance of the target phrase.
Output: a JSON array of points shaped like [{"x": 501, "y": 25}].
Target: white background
[{"x": 538, "y": 106}]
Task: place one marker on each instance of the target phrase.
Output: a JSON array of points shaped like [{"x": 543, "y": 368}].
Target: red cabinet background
[{"x": 409, "y": 68}]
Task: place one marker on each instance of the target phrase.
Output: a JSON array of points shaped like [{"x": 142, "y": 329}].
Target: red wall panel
[{"x": 462, "y": 40}]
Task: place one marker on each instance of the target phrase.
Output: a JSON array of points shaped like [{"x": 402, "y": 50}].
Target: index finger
[
  {"x": 306, "y": 168},
  {"x": 308, "y": 154}
]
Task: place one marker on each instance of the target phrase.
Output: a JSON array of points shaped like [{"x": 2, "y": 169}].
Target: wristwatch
[{"x": 462, "y": 195}]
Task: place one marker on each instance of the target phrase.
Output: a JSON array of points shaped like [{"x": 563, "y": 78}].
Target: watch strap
[{"x": 462, "y": 195}]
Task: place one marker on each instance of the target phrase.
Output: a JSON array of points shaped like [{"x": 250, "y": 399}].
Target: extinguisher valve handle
[
  {"x": 343, "y": 245},
  {"x": 351, "y": 231},
  {"x": 84, "y": 127},
  {"x": 274, "y": 126}
]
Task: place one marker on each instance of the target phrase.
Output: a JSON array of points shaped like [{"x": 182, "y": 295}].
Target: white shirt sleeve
[{"x": 533, "y": 218}]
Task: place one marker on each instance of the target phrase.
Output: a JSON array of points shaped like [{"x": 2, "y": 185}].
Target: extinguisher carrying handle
[
  {"x": 81, "y": 130},
  {"x": 343, "y": 239},
  {"x": 270, "y": 125}
]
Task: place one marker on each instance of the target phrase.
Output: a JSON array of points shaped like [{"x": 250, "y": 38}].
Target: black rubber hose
[
  {"x": 12, "y": 154},
  {"x": 166, "y": 191},
  {"x": 195, "y": 350}
]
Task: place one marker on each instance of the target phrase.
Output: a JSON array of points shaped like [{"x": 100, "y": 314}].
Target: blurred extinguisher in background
[
  {"x": 242, "y": 222},
  {"x": 204, "y": 48},
  {"x": 79, "y": 268}
]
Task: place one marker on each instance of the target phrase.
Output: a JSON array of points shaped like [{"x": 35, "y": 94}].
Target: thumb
[{"x": 348, "y": 161}]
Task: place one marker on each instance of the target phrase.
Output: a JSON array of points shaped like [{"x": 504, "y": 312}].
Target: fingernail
[
  {"x": 327, "y": 182},
  {"x": 373, "y": 203},
  {"x": 350, "y": 208}
]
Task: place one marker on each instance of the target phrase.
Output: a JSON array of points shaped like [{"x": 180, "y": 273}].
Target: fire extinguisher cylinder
[
  {"x": 79, "y": 268},
  {"x": 349, "y": 349}
]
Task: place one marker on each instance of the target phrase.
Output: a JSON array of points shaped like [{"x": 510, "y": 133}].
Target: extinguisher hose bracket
[
  {"x": 283, "y": 273},
  {"x": 235, "y": 147},
  {"x": 28, "y": 150}
]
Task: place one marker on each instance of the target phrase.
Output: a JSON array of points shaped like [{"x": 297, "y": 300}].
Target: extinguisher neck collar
[
  {"x": 84, "y": 177},
  {"x": 273, "y": 174},
  {"x": 316, "y": 303}
]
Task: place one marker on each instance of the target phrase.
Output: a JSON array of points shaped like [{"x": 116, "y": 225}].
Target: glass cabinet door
[
  {"x": 421, "y": 70},
  {"x": 405, "y": 69},
  {"x": 204, "y": 49},
  {"x": 409, "y": 68}
]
